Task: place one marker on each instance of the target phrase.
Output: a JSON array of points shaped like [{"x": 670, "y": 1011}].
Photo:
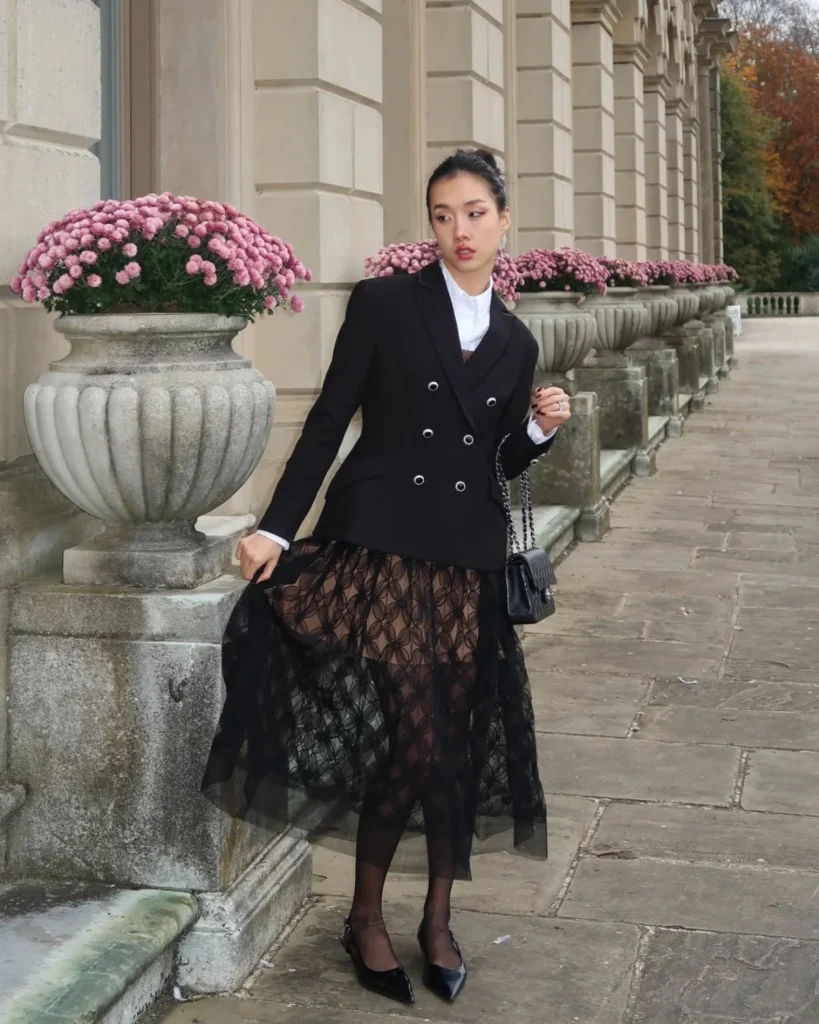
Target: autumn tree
[
  {"x": 783, "y": 79},
  {"x": 752, "y": 237}
]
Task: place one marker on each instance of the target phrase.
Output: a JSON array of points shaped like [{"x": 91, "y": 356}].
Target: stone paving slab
[
  {"x": 638, "y": 769},
  {"x": 519, "y": 884},
  {"x": 771, "y": 592},
  {"x": 777, "y": 729},
  {"x": 703, "y": 834},
  {"x": 547, "y": 970},
  {"x": 747, "y": 900},
  {"x": 617, "y": 656},
  {"x": 782, "y": 782},
  {"x": 594, "y": 705},
  {"x": 748, "y": 694},
  {"x": 705, "y": 978}
]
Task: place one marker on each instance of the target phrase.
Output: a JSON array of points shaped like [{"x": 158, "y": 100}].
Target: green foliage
[
  {"x": 753, "y": 241},
  {"x": 801, "y": 269}
]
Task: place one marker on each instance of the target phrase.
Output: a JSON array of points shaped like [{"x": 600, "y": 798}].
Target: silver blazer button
[
  {"x": 491, "y": 401},
  {"x": 433, "y": 385},
  {"x": 418, "y": 480},
  {"x": 428, "y": 432},
  {"x": 469, "y": 439},
  {"x": 460, "y": 486}
]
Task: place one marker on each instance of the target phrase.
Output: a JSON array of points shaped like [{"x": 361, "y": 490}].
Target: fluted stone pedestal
[
  {"x": 622, "y": 394},
  {"x": 570, "y": 474},
  {"x": 685, "y": 341},
  {"x": 114, "y": 698},
  {"x": 708, "y": 361}
]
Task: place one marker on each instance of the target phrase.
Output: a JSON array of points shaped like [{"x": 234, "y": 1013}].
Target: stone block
[
  {"x": 317, "y": 46},
  {"x": 622, "y": 395},
  {"x": 236, "y": 927},
  {"x": 52, "y": 177},
  {"x": 570, "y": 474},
  {"x": 701, "y": 977},
  {"x": 702, "y": 834},
  {"x": 592, "y": 705},
  {"x": 594, "y": 173},
  {"x": 108, "y": 560},
  {"x": 57, "y": 65},
  {"x": 662, "y": 375},
  {"x": 593, "y": 86},
  {"x": 685, "y": 343},
  {"x": 332, "y": 233},
  {"x": 543, "y": 42},
  {"x": 319, "y": 128},
  {"x": 368, "y": 150},
  {"x": 782, "y": 781},
  {"x": 593, "y": 129},
  {"x": 739, "y": 728},
  {"x": 544, "y": 146},
  {"x": 705, "y": 897},
  {"x": 111, "y": 716},
  {"x": 463, "y": 108},
  {"x": 629, "y": 769}
]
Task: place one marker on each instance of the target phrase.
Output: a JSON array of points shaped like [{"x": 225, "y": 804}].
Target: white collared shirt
[{"x": 472, "y": 314}]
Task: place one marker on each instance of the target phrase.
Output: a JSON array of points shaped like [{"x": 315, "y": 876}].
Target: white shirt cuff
[
  {"x": 272, "y": 536},
  {"x": 537, "y": 435}
]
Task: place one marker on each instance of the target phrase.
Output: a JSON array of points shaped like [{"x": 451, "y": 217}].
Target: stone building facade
[{"x": 322, "y": 119}]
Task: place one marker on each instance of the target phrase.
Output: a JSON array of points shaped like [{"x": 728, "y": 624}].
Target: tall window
[{"x": 109, "y": 148}]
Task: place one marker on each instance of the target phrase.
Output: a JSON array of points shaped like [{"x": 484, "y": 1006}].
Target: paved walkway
[{"x": 677, "y": 694}]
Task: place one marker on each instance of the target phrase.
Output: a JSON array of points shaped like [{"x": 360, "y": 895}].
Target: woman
[{"x": 372, "y": 666}]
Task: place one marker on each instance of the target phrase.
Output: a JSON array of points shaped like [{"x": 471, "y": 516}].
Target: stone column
[
  {"x": 629, "y": 138},
  {"x": 706, "y": 157},
  {"x": 545, "y": 157},
  {"x": 405, "y": 145},
  {"x": 691, "y": 185},
  {"x": 622, "y": 394},
  {"x": 716, "y": 162},
  {"x": 595, "y": 210},
  {"x": 323, "y": 194},
  {"x": 465, "y": 77},
  {"x": 656, "y": 167},
  {"x": 675, "y": 158}
]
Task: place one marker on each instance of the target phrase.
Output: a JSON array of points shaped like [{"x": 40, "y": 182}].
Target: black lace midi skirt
[{"x": 378, "y": 696}]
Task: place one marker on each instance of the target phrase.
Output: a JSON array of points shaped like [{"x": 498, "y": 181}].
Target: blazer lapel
[
  {"x": 439, "y": 317},
  {"x": 492, "y": 345}
]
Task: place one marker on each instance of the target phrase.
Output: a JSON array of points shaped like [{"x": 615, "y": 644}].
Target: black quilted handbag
[{"x": 530, "y": 578}]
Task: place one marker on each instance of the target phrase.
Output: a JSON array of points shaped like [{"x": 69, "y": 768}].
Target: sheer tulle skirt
[{"x": 370, "y": 687}]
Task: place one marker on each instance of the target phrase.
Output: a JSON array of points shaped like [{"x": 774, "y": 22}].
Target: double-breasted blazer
[{"x": 420, "y": 481}]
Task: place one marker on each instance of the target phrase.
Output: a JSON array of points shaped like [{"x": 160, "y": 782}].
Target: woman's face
[{"x": 467, "y": 223}]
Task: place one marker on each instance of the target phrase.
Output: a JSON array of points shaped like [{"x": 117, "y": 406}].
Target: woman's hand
[
  {"x": 256, "y": 551},
  {"x": 550, "y": 408}
]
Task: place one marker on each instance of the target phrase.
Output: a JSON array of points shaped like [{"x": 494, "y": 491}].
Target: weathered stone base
[
  {"x": 662, "y": 374},
  {"x": 594, "y": 523},
  {"x": 160, "y": 558},
  {"x": 114, "y": 698},
  {"x": 685, "y": 343},
  {"x": 644, "y": 462},
  {"x": 570, "y": 473},
  {"x": 235, "y": 927},
  {"x": 622, "y": 394},
  {"x": 675, "y": 427}
]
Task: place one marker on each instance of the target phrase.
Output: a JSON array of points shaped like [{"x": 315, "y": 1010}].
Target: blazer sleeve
[
  {"x": 519, "y": 449},
  {"x": 326, "y": 423}
]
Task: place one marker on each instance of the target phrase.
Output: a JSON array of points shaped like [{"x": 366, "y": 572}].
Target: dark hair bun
[{"x": 488, "y": 158}]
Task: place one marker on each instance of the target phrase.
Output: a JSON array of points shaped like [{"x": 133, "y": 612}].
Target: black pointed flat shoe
[
  {"x": 445, "y": 982},
  {"x": 394, "y": 983}
]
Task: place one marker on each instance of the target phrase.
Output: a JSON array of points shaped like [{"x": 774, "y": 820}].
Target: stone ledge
[{"x": 100, "y": 972}]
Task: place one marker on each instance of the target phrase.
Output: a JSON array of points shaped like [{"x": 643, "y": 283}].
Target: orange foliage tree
[{"x": 783, "y": 79}]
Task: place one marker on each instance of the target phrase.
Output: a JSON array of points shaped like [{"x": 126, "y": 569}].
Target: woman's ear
[{"x": 505, "y": 220}]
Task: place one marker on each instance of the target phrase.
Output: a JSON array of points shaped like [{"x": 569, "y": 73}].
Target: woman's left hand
[{"x": 550, "y": 408}]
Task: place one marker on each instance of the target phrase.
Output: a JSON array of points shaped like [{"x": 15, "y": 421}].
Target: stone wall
[{"x": 49, "y": 121}]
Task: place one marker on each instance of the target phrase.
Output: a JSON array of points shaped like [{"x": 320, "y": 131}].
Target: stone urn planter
[
  {"x": 621, "y": 319},
  {"x": 151, "y": 421},
  {"x": 661, "y": 308},
  {"x": 688, "y": 304},
  {"x": 564, "y": 330}
]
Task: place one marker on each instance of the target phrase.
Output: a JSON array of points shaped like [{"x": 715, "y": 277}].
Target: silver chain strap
[{"x": 526, "y": 505}]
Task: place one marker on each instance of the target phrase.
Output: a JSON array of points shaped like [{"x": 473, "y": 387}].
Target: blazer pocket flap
[{"x": 356, "y": 469}]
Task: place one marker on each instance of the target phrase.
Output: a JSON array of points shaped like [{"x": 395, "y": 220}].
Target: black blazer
[{"x": 420, "y": 480}]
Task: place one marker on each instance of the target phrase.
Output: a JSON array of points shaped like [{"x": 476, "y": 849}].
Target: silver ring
[{"x": 560, "y": 406}]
